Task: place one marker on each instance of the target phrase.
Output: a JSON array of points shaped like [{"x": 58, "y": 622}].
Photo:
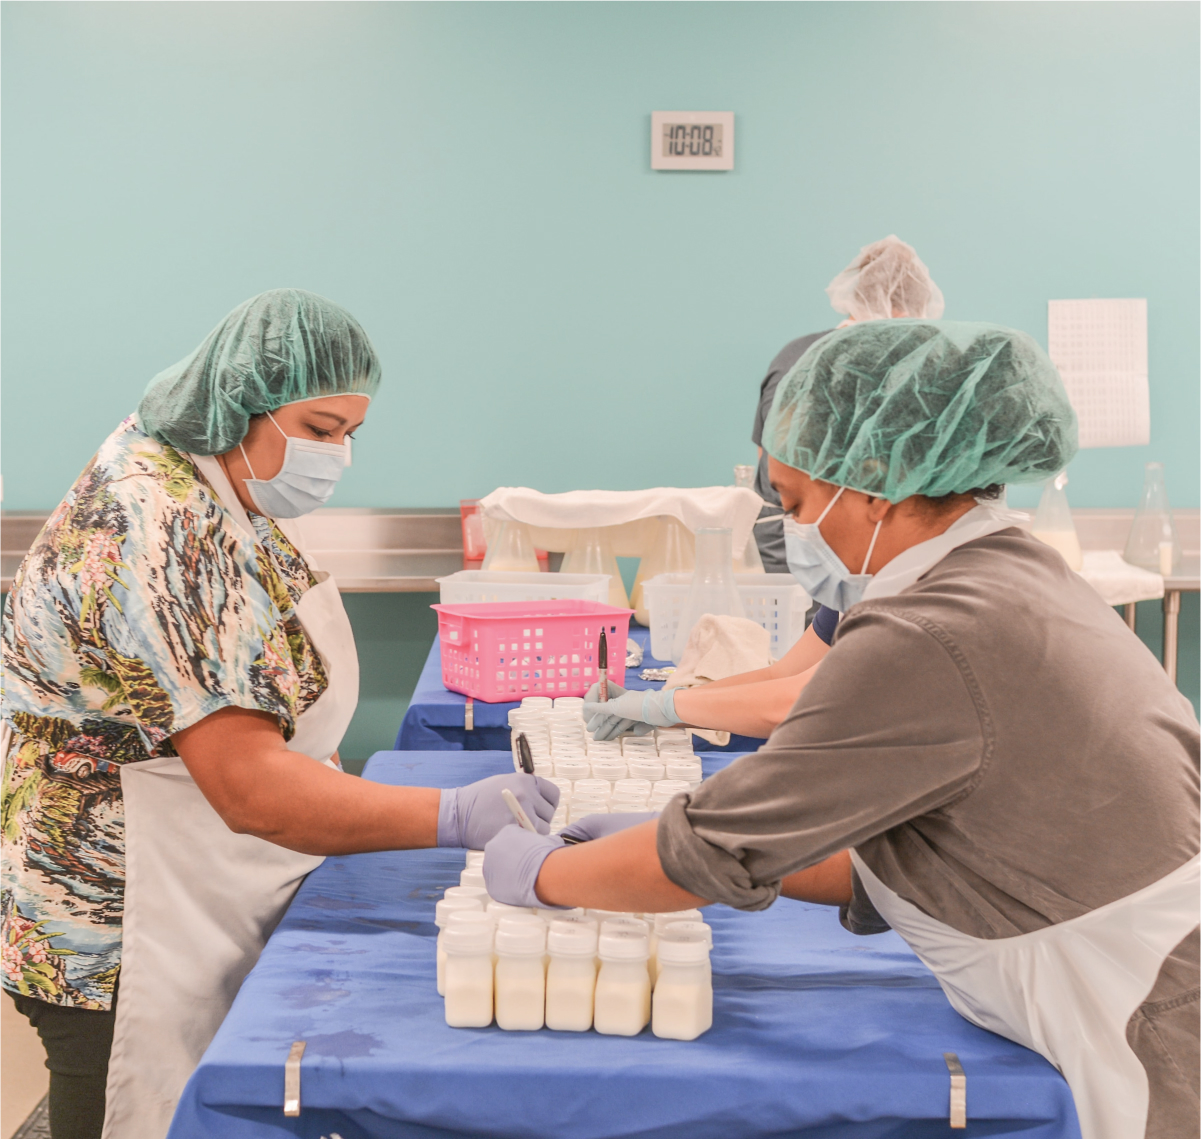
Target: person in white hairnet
[{"x": 887, "y": 279}]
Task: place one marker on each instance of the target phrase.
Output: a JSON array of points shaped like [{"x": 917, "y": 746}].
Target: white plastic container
[
  {"x": 520, "y": 975},
  {"x": 609, "y": 768},
  {"x": 652, "y": 770},
  {"x": 689, "y": 770},
  {"x": 623, "y": 985},
  {"x": 774, "y": 600},
  {"x": 632, "y": 787},
  {"x": 571, "y": 975},
  {"x": 472, "y": 876},
  {"x": 442, "y": 914},
  {"x": 627, "y": 922},
  {"x": 683, "y": 998},
  {"x": 468, "y": 892},
  {"x": 498, "y": 910},
  {"x": 468, "y": 975},
  {"x": 475, "y": 858},
  {"x": 659, "y": 926},
  {"x": 470, "y": 586},
  {"x": 573, "y": 769}
]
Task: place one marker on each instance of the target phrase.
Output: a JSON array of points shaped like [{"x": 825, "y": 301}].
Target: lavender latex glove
[
  {"x": 512, "y": 860},
  {"x": 469, "y": 816},
  {"x": 633, "y": 713},
  {"x": 599, "y": 826}
]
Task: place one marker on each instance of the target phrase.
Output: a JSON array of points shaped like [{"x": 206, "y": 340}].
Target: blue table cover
[
  {"x": 816, "y": 1033},
  {"x": 434, "y": 719}
]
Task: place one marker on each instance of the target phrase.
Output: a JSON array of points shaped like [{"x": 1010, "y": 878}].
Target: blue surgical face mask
[
  {"x": 819, "y": 569},
  {"x": 308, "y": 477}
]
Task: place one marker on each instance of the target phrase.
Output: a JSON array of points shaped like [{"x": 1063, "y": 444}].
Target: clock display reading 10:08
[{"x": 692, "y": 140}]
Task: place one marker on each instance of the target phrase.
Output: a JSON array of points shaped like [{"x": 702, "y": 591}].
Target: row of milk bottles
[
  {"x": 570, "y": 970},
  {"x": 635, "y": 773}
]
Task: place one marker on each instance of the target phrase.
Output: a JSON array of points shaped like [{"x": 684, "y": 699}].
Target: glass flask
[
  {"x": 512, "y": 550},
  {"x": 592, "y": 552},
  {"x": 713, "y": 589},
  {"x": 1053, "y": 522},
  {"x": 672, "y": 551},
  {"x": 1153, "y": 543}
]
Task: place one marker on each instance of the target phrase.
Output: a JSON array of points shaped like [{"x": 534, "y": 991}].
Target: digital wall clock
[{"x": 692, "y": 140}]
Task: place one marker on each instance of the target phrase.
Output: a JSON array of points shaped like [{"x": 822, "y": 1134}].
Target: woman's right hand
[{"x": 469, "y": 816}]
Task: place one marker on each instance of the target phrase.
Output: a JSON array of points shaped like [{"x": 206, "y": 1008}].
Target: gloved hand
[
  {"x": 469, "y": 816},
  {"x": 631, "y": 713},
  {"x": 512, "y": 860},
  {"x": 598, "y": 826}
]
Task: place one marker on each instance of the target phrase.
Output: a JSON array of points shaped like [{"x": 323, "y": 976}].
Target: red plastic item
[
  {"x": 500, "y": 651},
  {"x": 472, "y": 522}
]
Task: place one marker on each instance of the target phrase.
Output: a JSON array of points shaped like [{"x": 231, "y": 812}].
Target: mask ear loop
[
  {"x": 829, "y": 506},
  {"x": 871, "y": 546},
  {"x": 243, "y": 449}
]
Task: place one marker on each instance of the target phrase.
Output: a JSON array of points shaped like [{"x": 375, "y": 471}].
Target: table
[
  {"x": 435, "y": 718},
  {"x": 817, "y": 1033}
]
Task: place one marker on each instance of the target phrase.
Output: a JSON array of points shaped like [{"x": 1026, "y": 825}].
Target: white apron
[
  {"x": 201, "y": 901},
  {"x": 1066, "y": 991}
]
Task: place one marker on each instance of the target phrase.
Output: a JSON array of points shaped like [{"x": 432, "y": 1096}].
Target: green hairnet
[
  {"x": 279, "y": 347},
  {"x": 901, "y": 407}
]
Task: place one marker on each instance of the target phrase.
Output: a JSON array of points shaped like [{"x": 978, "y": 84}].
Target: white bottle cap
[
  {"x": 518, "y": 921},
  {"x": 691, "y": 950},
  {"x": 626, "y": 921},
  {"x": 549, "y": 916},
  {"x": 572, "y": 920},
  {"x": 635, "y": 786},
  {"x": 600, "y": 786},
  {"x": 467, "y": 938},
  {"x": 468, "y": 917},
  {"x": 521, "y": 939},
  {"x": 475, "y": 858},
  {"x": 537, "y": 702},
  {"x": 687, "y": 929},
  {"x": 623, "y": 945},
  {"x": 601, "y": 915},
  {"x": 499, "y": 910},
  {"x": 662, "y": 921},
  {"x": 472, "y": 876},
  {"x": 646, "y": 769},
  {"x": 447, "y": 906},
  {"x": 688, "y": 772},
  {"x": 669, "y": 787},
  {"x": 571, "y": 939},
  {"x": 477, "y": 892}
]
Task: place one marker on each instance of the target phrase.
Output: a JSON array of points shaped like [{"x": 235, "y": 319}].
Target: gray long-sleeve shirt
[{"x": 994, "y": 742}]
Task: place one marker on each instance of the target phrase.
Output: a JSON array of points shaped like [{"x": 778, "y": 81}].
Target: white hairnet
[{"x": 887, "y": 279}]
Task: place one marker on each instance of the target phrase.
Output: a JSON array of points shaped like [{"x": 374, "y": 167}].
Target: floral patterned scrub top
[{"x": 141, "y": 608}]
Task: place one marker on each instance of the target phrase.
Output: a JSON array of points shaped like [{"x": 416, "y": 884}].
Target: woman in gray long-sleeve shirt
[{"x": 988, "y": 761}]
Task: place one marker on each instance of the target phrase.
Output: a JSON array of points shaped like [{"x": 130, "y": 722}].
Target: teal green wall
[{"x": 472, "y": 181}]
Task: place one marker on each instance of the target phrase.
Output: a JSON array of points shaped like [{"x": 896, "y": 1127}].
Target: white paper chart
[{"x": 1100, "y": 349}]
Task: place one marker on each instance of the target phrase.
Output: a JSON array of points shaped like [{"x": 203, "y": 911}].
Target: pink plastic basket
[{"x": 500, "y": 651}]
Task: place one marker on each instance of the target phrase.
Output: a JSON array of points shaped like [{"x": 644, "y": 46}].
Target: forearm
[
  {"x": 828, "y": 883},
  {"x": 292, "y": 800},
  {"x": 621, "y": 872},
  {"x": 748, "y": 710}
]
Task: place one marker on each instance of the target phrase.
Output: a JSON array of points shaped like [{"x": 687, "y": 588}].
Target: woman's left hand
[
  {"x": 632, "y": 712},
  {"x": 469, "y": 816}
]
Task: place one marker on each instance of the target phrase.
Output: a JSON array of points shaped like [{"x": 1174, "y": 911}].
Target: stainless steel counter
[{"x": 404, "y": 550}]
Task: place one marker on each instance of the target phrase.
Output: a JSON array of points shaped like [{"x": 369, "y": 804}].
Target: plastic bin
[
  {"x": 774, "y": 600},
  {"x": 502, "y": 651},
  {"x": 468, "y": 587}
]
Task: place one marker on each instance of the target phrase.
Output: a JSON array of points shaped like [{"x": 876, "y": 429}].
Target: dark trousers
[{"x": 77, "y": 1043}]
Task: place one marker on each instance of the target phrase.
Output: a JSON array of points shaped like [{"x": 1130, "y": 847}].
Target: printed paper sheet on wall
[{"x": 1100, "y": 349}]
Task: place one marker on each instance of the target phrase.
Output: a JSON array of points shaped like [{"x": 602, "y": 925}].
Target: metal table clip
[
  {"x": 958, "y": 1090},
  {"x": 292, "y": 1078}
]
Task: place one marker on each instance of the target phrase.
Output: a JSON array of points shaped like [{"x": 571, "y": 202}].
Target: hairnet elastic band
[{"x": 327, "y": 395}]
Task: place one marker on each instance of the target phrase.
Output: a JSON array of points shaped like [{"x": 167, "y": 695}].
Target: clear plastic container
[
  {"x": 592, "y": 552},
  {"x": 442, "y": 914},
  {"x": 468, "y": 975},
  {"x": 672, "y": 550},
  {"x": 1153, "y": 543},
  {"x": 511, "y": 550},
  {"x": 713, "y": 589},
  {"x": 683, "y": 998},
  {"x": 520, "y": 974},
  {"x": 744, "y": 475},
  {"x": 623, "y": 985},
  {"x": 571, "y": 975},
  {"x": 1053, "y": 522}
]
